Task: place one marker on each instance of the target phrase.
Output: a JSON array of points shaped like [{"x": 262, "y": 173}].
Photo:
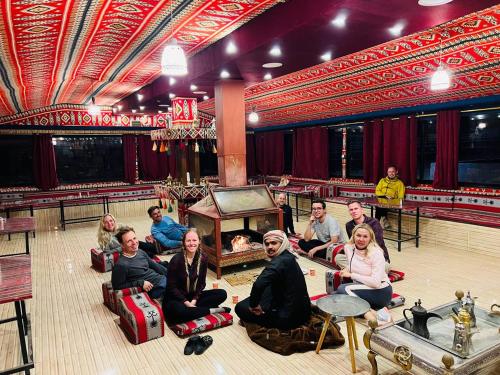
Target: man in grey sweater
[{"x": 135, "y": 268}]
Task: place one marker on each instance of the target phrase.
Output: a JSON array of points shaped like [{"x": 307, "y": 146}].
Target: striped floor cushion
[
  {"x": 140, "y": 318},
  {"x": 205, "y": 323},
  {"x": 111, "y": 296},
  {"x": 103, "y": 261}
]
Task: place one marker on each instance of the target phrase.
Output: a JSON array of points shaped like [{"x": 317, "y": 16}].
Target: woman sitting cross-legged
[
  {"x": 108, "y": 242},
  {"x": 279, "y": 297},
  {"x": 185, "y": 298},
  {"x": 366, "y": 267}
]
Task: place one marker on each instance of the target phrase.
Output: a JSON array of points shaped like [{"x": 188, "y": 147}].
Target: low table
[
  {"x": 80, "y": 200},
  {"x": 344, "y": 306},
  {"x": 19, "y": 225},
  {"x": 297, "y": 191},
  {"x": 15, "y": 286}
]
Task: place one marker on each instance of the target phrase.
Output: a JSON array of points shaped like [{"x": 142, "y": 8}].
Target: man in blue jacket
[{"x": 164, "y": 230}]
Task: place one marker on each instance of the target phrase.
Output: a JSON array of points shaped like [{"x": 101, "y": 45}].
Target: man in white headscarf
[{"x": 279, "y": 296}]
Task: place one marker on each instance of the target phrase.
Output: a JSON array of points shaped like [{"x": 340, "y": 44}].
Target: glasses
[{"x": 317, "y": 208}]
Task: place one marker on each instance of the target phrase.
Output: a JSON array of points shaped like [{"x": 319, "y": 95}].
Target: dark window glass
[
  {"x": 354, "y": 152},
  {"x": 88, "y": 159},
  {"x": 208, "y": 160},
  {"x": 288, "y": 148},
  {"x": 335, "y": 152},
  {"x": 16, "y": 154},
  {"x": 479, "y": 150},
  {"x": 426, "y": 148}
]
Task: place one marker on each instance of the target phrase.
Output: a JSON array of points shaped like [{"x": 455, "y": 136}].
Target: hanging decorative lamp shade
[
  {"x": 173, "y": 60},
  {"x": 440, "y": 79},
  {"x": 94, "y": 109}
]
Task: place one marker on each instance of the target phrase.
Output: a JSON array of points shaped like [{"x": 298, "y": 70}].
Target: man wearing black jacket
[
  {"x": 279, "y": 296},
  {"x": 287, "y": 214}
]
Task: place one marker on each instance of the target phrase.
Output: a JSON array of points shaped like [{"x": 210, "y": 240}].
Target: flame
[{"x": 240, "y": 243}]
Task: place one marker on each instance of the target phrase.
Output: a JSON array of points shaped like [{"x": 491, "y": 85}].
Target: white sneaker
[{"x": 384, "y": 316}]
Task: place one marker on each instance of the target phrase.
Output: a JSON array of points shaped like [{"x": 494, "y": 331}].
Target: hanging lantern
[
  {"x": 214, "y": 149},
  {"x": 162, "y": 146},
  {"x": 155, "y": 146},
  {"x": 196, "y": 147}
]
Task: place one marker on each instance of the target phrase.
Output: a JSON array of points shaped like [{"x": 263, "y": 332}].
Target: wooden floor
[{"x": 73, "y": 333}]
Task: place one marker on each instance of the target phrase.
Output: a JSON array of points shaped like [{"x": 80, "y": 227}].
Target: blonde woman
[{"x": 366, "y": 268}]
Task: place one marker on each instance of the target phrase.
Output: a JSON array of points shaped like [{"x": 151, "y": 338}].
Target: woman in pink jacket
[{"x": 365, "y": 267}]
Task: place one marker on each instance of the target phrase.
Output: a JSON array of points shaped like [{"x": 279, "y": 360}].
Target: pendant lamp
[
  {"x": 173, "y": 58},
  {"x": 94, "y": 109},
  {"x": 441, "y": 78},
  {"x": 253, "y": 117}
]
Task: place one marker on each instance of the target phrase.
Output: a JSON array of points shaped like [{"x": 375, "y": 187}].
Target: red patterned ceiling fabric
[
  {"x": 57, "y": 52},
  {"x": 391, "y": 75}
]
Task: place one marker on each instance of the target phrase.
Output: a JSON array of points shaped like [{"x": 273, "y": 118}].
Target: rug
[{"x": 242, "y": 278}]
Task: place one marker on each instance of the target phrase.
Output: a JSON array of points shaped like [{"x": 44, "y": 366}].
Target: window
[
  {"x": 208, "y": 160},
  {"x": 288, "y": 148},
  {"x": 88, "y": 159},
  {"x": 479, "y": 151},
  {"x": 426, "y": 148},
  {"x": 335, "y": 152},
  {"x": 16, "y": 153},
  {"x": 354, "y": 152}
]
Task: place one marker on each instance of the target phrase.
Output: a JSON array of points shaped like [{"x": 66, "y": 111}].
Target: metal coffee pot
[
  {"x": 420, "y": 317},
  {"x": 469, "y": 306},
  {"x": 462, "y": 342}
]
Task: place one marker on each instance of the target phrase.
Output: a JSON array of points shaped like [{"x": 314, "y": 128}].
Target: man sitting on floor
[
  {"x": 358, "y": 216},
  {"x": 164, "y": 230},
  {"x": 287, "y": 214},
  {"x": 327, "y": 231},
  {"x": 134, "y": 267}
]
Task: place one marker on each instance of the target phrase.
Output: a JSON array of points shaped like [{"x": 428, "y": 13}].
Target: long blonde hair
[
  {"x": 103, "y": 236},
  {"x": 372, "y": 245},
  {"x": 196, "y": 258}
]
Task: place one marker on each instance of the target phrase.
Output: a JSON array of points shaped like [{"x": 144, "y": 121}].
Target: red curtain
[
  {"x": 44, "y": 162},
  {"x": 154, "y": 165},
  {"x": 251, "y": 168},
  {"x": 129, "y": 158},
  {"x": 310, "y": 153},
  {"x": 447, "y": 140},
  {"x": 270, "y": 153},
  {"x": 390, "y": 142}
]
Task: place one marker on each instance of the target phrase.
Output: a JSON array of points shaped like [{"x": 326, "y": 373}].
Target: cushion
[
  {"x": 205, "y": 323},
  {"x": 140, "y": 318},
  {"x": 103, "y": 261},
  {"x": 333, "y": 279},
  {"x": 111, "y": 296},
  {"x": 332, "y": 251}
]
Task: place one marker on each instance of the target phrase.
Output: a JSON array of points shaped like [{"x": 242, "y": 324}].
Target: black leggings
[
  {"x": 381, "y": 212},
  {"x": 176, "y": 312},
  {"x": 148, "y": 248},
  {"x": 377, "y": 298},
  {"x": 309, "y": 245}
]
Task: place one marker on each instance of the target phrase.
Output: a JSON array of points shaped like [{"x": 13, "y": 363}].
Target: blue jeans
[{"x": 159, "y": 289}]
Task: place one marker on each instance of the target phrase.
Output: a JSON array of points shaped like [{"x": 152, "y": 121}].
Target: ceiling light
[
  {"x": 140, "y": 97},
  {"x": 173, "y": 60},
  {"x": 163, "y": 105},
  {"x": 94, "y": 109},
  {"x": 397, "y": 29},
  {"x": 199, "y": 92},
  {"x": 272, "y": 65},
  {"x": 339, "y": 20},
  {"x": 224, "y": 74},
  {"x": 481, "y": 125},
  {"x": 171, "y": 81},
  {"x": 433, "y": 3},
  {"x": 205, "y": 97},
  {"x": 142, "y": 108},
  {"x": 134, "y": 110},
  {"x": 275, "y": 51},
  {"x": 480, "y": 117},
  {"x": 327, "y": 56},
  {"x": 171, "y": 95},
  {"x": 231, "y": 48},
  {"x": 268, "y": 76},
  {"x": 193, "y": 87},
  {"x": 114, "y": 109},
  {"x": 440, "y": 79},
  {"x": 253, "y": 117},
  {"x": 120, "y": 107}
]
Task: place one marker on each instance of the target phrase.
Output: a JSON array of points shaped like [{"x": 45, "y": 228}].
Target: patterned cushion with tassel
[
  {"x": 103, "y": 261},
  {"x": 205, "y": 323}
]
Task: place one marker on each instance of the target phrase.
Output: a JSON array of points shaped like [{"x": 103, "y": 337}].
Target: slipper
[
  {"x": 203, "y": 344},
  {"x": 191, "y": 344}
]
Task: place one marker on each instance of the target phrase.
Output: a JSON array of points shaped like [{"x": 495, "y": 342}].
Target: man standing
[
  {"x": 358, "y": 216},
  {"x": 164, "y": 230},
  {"x": 327, "y": 231},
  {"x": 287, "y": 214},
  {"x": 391, "y": 188},
  {"x": 135, "y": 268}
]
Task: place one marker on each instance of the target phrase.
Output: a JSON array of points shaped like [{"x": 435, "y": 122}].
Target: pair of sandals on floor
[{"x": 197, "y": 344}]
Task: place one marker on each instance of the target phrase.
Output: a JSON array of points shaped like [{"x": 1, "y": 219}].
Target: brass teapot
[
  {"x": 462, "y": 342},
  {"x": 420, "y": 317}
]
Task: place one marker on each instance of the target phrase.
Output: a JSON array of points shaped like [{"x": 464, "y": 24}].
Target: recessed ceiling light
[
  {"x": 199, "y": 92},
  {"x": 224, "y": 74},
  {"x": 171, "y": 81},
  {"x": 142, "y": 108},
  {"x": 397, "y": 28},
  {"x": 171, "y": 95},
  {"x": 120, "y": 107},
  {"x": 433, "y": 3},
  {"x": 163, "y": 105},
  {"x": 205, "y": 97},
  {"x": 193, "y": 87},
  {"x": 480, "y": 117},
  {"x": 160, "y": 111},
  {"x": 268, "y": 76},
  {"x": 134, "y": 110},
  {"x": 272, "y": 65},
  {"x": 327, "y": 56},
  {"x": 231, "y": 48},
  {"x": 275, "y": 51},
  {"x": 339, "y": 20},
  {"x": 481, "y": 125},
  {"x": 140, "y": 97},
  {"x": 115, "y": 109}
]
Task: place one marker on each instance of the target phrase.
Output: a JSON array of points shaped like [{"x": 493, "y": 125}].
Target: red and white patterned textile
[
  {"x": 184, "y": 112},
  {"x": 205, "y": 323},
  {"x": 141, "y": 318},
  {"x": 103, "y": 261},
  {"x": 111, "y": 297}
]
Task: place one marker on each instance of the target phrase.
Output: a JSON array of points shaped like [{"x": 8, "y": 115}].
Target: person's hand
[
  {"x": 193, "y": 302},
  {"x": 257, "y": 310},
  {"x": 189, "y": 304},
  {"x": 345, "y": 273},
  {"x": 311, "y": 252},
  {"x": 312, "y": 219},
  {"x": 150, "y": 239},
  {"x": 147, "y": 286}
]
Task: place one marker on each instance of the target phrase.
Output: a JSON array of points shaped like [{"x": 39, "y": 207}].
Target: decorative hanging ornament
[
  {"x": 214, "y": 149},
  {"x": 182, "y": 146},
  {"x": 196, "y": 147},
  {"x": 162, "y": 146},
  {"x": 155, "y": 146},
  {"x": 170, "y": 208}
]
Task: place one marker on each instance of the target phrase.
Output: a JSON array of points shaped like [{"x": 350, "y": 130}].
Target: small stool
[
  {"x": 111, "y": 296},
  {"x": 205, "y": 323},
  {"x": 103, "y": 261},
  {"x": 140, "y": 318}
]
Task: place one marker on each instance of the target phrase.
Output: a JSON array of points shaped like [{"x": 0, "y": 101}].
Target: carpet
[{"x": 242, "y": 278}]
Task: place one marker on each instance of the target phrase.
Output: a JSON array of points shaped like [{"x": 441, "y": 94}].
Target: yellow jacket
[{"x": 393, "y": 189}]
